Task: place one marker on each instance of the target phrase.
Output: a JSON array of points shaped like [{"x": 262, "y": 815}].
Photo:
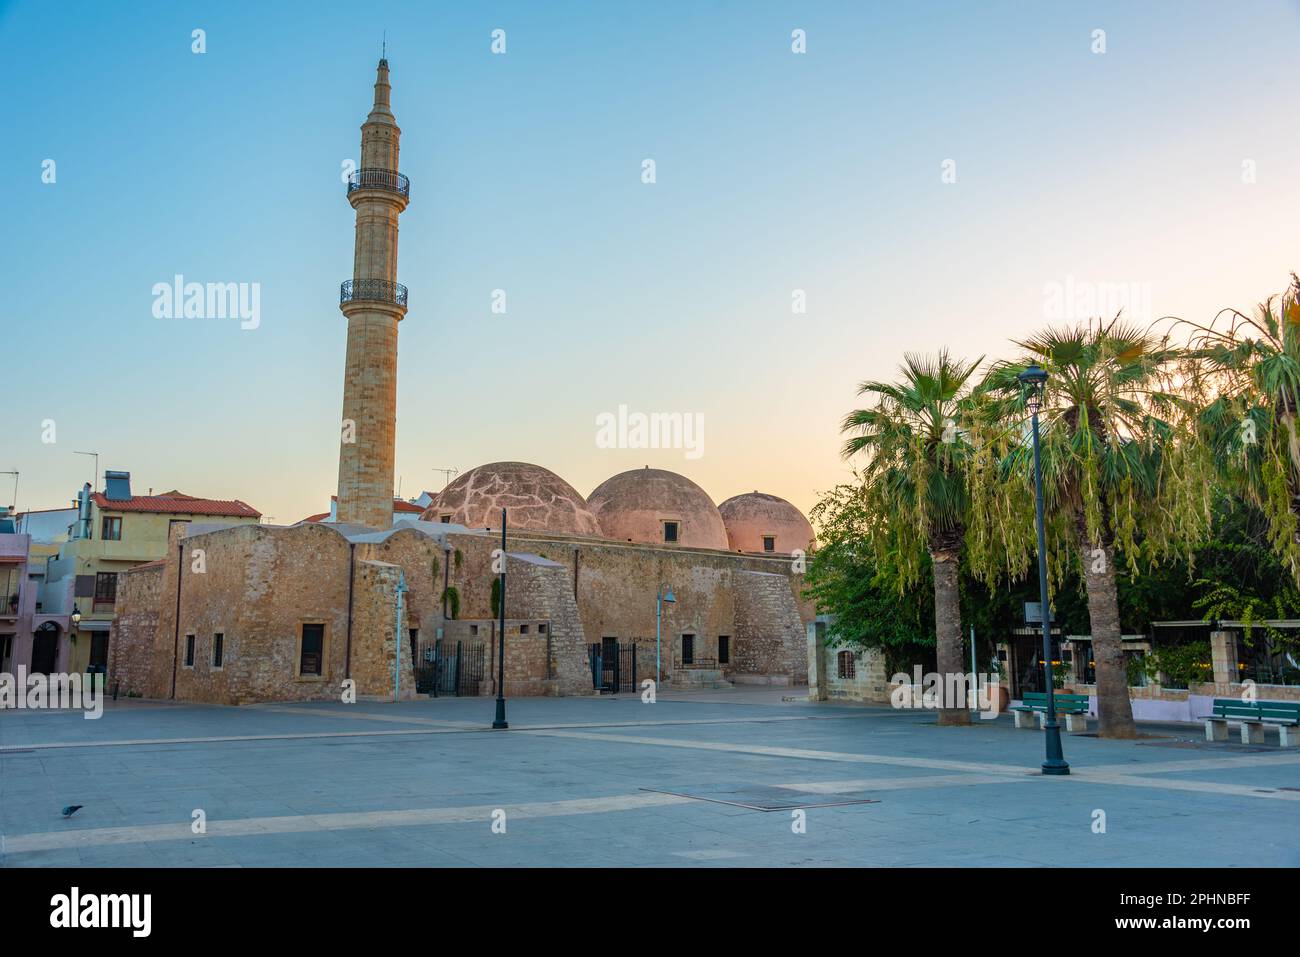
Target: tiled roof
[{"x": 176, "y": 503}]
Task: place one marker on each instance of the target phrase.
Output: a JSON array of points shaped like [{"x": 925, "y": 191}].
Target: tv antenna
[{"x": 447, "y": 475}]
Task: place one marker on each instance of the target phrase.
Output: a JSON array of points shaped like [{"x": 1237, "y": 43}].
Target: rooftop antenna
[
  {"x": 14, "y": 473},
  {"x": 448, "y": 475},
  {"x": 384, "y": 49},
  {"x": 94, "y": 477}
]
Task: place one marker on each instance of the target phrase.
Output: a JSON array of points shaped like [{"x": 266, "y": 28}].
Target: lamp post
[
  {"x": 664, "y": 594},
  {"x": 500, "y": 723},
  {"x": 1033, "y": 380}
]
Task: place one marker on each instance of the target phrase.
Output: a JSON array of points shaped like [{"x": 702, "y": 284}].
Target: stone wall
[{"x": 131, "y": 636}]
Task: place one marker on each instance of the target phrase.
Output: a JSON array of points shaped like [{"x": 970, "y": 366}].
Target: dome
[
  {"x": 537, "y": 498},
  {"x": 754, "y": 516},
  {"x": 655, "y": 507}
]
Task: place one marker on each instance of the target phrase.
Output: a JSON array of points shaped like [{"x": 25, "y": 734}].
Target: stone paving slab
[{"x": 416, "y": 784}]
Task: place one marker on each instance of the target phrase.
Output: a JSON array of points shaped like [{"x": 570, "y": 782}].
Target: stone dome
[
  {"x": 537, "y": 498},
  {"x": 756, "y": 515},
  {"x": 641, "y": 505}
]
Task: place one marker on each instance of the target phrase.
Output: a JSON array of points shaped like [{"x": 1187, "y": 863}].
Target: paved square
[{"x": 614, "y": 781}]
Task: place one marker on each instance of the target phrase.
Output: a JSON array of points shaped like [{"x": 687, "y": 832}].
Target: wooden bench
[
  {"x": 1253, "y": 715},
  {"x": 1074, "y": 707}
]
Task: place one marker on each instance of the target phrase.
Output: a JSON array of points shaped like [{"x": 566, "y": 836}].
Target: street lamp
[
  {"x": 1033, "y": 379},
  {"x": 664, "y": 594},
  {"x": 500, "y": 723}
]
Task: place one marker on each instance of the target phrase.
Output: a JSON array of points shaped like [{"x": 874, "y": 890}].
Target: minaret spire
[{"x": 374, "y": 303}]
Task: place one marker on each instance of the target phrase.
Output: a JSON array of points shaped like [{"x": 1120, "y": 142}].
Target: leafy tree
[
  {"x": 1246, "y": 376},
  {"x": 914, "y": 489},
  {"x": 1119, "y": 476}
]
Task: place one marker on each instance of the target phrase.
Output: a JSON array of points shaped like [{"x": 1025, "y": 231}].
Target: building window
[
  {"x": 218, "y": 650},
  {"x": 311, "y": 653},
  {"x": 688, "y": 649},
  {"x": 473, "y": 629},
  {"x": 446, "y": 520},
  {"x": 105, "y": 589},
  {"x": 110, "y": 529},
  {"x": 724, "y": 649},
  {"x": 671, "y": 530},
  {"x": 189, "y": 651},
  {"x": 848, "y": 665},
  {"x": 769, "y": 543},
  {"x": 523, "y": 629},
  {"x": 541, "y": 628}
]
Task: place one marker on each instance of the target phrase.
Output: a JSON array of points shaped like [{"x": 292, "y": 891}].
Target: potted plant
[
  {"x": 1061, "y": 671},
  {"x": 998, "y": 670}
]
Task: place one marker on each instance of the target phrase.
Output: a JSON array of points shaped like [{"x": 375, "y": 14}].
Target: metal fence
[
  {"x": 613, "y": 667},
  {"x": 449, "y": 668}
]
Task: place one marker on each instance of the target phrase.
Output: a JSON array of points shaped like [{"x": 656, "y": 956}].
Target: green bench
[
  {"x": 1253, "y": 715},
  {"x": 1074, "y": 708}
]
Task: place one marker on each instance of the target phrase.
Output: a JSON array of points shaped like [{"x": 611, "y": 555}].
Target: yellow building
[{"x": 114, "y": 531}]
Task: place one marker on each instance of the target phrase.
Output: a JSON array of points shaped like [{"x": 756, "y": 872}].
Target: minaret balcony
[
  {"x": 384, "y": 179},
  {"x": 373, "y": 290}
]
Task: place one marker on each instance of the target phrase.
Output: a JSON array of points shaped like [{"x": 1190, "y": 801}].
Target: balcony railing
[
  {"x": 379, "y": 179},
  {"x": 373, "y": 290}
]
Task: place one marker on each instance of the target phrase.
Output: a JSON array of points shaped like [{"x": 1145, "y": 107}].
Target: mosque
[{"x": 644, "y": 577}]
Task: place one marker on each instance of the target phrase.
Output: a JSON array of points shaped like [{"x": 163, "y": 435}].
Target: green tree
[
  {"x": 1120, "y": 472},
  {"x": 915, "y": 443},
  {"x": 1245, "y": 375}
]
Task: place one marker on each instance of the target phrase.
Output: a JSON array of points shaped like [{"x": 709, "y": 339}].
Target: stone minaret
[{"x": 374, "y": 303}]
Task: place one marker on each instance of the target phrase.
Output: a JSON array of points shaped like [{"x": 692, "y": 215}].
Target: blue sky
[{"x": 775, "y": 172}]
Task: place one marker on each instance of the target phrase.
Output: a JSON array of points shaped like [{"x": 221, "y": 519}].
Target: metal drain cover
[{"x": 759, "y": 797}]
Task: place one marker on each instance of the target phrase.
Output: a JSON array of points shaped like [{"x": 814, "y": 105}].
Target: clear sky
[{"x": 775, "y": 171}]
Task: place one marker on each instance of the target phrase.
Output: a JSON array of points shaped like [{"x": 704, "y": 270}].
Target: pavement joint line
[
  {"x": 444, "y": 727},
  {"x": 339, "y": 821}
]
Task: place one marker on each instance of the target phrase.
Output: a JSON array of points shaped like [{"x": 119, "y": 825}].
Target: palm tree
[
  {"x": 1114, "y": 473},
  {"x": 914, "y": 483},
  {"x": 1247, "y": 376}
]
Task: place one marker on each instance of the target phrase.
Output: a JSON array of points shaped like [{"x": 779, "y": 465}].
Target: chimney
[{"x": 117, "y": 486}]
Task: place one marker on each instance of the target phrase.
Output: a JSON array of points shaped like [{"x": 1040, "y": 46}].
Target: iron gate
[
  {"x": 613, "y": 667},
  {"x": 450, "y": 668}
]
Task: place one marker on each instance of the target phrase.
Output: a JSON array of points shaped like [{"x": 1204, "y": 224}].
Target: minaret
[{"x": 374, "y": 303}]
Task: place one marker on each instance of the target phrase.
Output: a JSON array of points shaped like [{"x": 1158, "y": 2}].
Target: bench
[
  {"x": 1073, "y": 706},
  {"x": 1253, "y": 715}
]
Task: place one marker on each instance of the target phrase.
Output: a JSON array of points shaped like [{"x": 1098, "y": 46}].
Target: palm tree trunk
[
  {"x": 1114, "y": 709},
  {"x": 949, "y": 648}
]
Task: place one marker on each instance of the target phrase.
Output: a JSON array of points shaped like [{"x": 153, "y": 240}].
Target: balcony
[
  {"x": 384, "y": 179},
  {"x": 373, "y": 290}
]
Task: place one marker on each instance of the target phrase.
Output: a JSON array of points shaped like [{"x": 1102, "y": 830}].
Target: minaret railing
[
  {"x": 373, "y": 290},
  {"x": 385, "y": 179}
]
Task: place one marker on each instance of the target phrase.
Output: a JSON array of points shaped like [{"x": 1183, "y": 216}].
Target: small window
[
  {"x": 523, "y": 629},
  {"x": 446, "y": 520},
  {"x": 189, "y": 651},
  {"x": 313, "y": 650},
  {"x": 688, "y": 649},
  {"x": 670, "y": 531},
  {"x": 848, "y": 665},
  {"x": 218, "y": 650},
  {"x": 769, "y": 543},
  {"x": 541, "y": 628},
  {"x": 110, "y": 530},
  {"x": 105, "y": 588},
  {"x": 473, "y": 629},
  {"x": 724, "y": 649}
]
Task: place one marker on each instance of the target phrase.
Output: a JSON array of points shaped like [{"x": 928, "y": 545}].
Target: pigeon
[{"x": 72, "y": 809}]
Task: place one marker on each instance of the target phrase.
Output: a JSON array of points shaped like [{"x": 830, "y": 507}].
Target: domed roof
[
  {"x": 639, "y": 504},
  {"x": 537, "y": 498},
  {"x": 756, "y": 515}
]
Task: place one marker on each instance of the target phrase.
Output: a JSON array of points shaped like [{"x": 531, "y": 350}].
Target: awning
[{"x": 87, "y": 625}]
